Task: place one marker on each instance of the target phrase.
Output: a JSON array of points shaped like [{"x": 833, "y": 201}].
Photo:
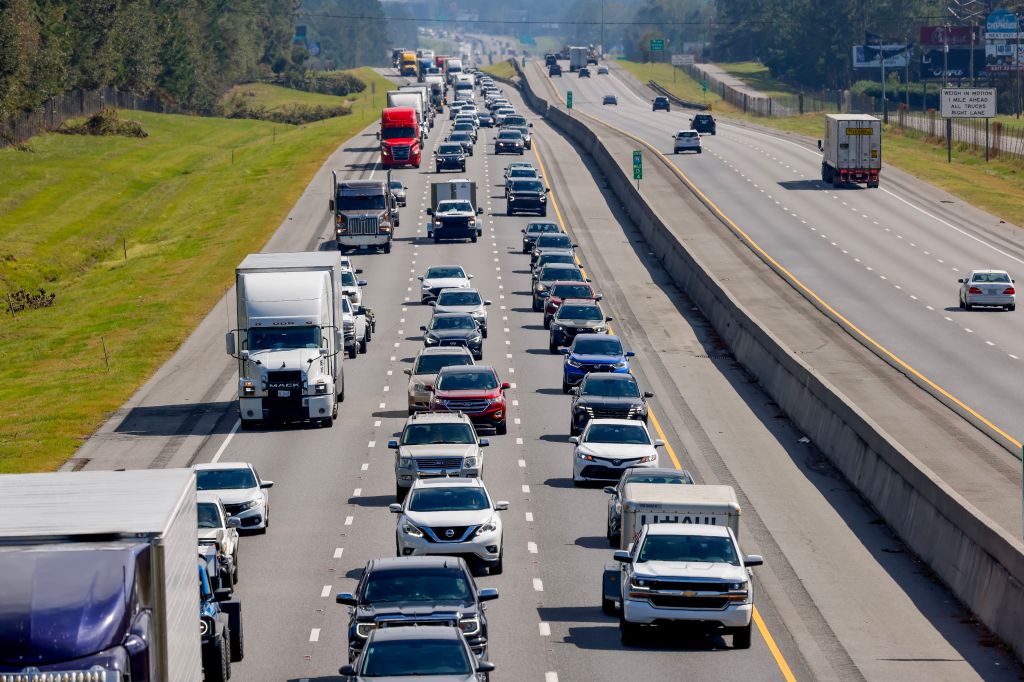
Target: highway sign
[
  {"x": 657, "y": 45},
  {"x": 568, "y": 99},
  {"x": 968, "y": 102},
  {"x": 638, "y": 165},
  {"x": 704, "y": 85},
  {"x": 680, "y": 59}
]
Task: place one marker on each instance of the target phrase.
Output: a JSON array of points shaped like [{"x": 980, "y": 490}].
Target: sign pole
[{"x": 949, "y": 140}]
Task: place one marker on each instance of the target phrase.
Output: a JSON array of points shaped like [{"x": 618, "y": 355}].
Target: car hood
[
  {"x": 439, "y": 450},
  {"x": 446, "y": 282},
  {"x": 239, "y": 496},
  {"x": 452, "y": 333},
  {"x": 467, "y": 394},
  {"x": 449, "y": 518},
  {"x": 459, "y": 309},
  {"x": 597, "y": 359},
  {"x": 425, "y": 379},
  {"x": 615, "y": 450},
  {"x": 61, "y": 604},
  {"x": 286, "y": 358},
  {"x": 690, "y": 569}
]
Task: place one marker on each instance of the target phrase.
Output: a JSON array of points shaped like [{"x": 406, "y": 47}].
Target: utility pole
[
  {"x": 881, "y": 59},
  {"x": 602, "y": 29},
  {"x": 906, "y": 69}
]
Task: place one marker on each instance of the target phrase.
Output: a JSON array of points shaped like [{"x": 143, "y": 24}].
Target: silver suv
[
  {"x": 436, "y": 444},
  {"x": 463, "y": 301},
  {"x": 424, "y": 371}
]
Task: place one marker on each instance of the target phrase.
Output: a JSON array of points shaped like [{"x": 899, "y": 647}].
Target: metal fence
[
  {"x": 1004, "y": 140},
  {"x": 72, "y": 104}
]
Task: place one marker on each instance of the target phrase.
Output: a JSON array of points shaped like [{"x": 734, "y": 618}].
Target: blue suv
[{"x": 593, "y": 353}]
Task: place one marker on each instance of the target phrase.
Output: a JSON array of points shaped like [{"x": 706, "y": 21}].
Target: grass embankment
[
  {"x": 274, "y": 97},
  {"x": 996, "y": 186},
  {"x": 190, "y": 201},
  {"x": 674, "y": 80},
  {"x": 502, "y": 69},
  {"x": 758, "y": 77}
]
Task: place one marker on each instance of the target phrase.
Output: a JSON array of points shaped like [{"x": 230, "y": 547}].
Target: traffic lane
[{"x": 910, "y": 616}]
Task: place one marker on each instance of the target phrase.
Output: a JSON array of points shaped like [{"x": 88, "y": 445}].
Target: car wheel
[
  {"x": 362, "y": 343},
  {"x": 741, "y": 637},
  {"x": 479, "y": 355},
  {"x": 547, "y": 322},
  {"x": 502, "y": 427},
  {"x": 216, "y": 661},
  {"x": 436, "y": 239},
  {"x": 608, "y": 607},
  {"x": 968, "y": 306},
  {"x": 400, "y": 493},
  {"x": 234, "y": 561},
  {"x": 237, "y": 643},
  {"x": 498, "y": 567},
  {"x": 630, "y": 632},
  {"x": 1011, "y": 307},
  {"x": 327, "y": 422},
  {"x": 387, "y": 247},
  {"x": 248, "y": 424},
  {"x": 369, "y": 332},
  {"x": 536, "y": 306},
  {"x": 552, "y": 347},
  {"x": 437, "y": 169},
  {"x": 960, "y": 301},
  {"x": 483, "y": 332}
]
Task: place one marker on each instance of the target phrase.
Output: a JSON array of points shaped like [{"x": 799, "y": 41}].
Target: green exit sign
[
  {"x": 638, "y": 165},
  {"x": 568, "y": 99},
  {"x": 657, "y": 45}
]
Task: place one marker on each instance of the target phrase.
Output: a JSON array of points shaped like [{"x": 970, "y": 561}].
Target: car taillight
[
  {"x": 1009, "y": 290},
  {"x": 974, "y": 290}
]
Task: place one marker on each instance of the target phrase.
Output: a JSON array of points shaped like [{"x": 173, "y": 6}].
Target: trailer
[{"x": 851, "y": 150}]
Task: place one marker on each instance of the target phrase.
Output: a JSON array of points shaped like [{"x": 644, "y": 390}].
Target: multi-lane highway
[{"x": 837, "y": 598}]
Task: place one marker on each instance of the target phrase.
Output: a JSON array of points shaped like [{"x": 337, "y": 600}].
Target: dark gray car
[
  {"x": 580, "y": 316},
  {"x": 606, "y": 395},
  {"x": 454, "y": 329},
  {"x": 434, "y": 653}
]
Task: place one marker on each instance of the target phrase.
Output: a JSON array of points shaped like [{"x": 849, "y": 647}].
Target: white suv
[
  {"x": 686, "y": 141},
  {"x": 451, "y": 516}
]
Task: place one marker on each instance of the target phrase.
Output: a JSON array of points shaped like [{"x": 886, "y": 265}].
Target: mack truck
[
  {"x": 453, "y": 211},
  {"x": 98, "y": 579},
  {"x": 851, "y": 151},
  {"x": 289, "y": 338},
  {"x": 365, "y": 213}
]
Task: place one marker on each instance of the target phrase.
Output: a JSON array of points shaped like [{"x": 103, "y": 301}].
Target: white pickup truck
[
  {"x": 355, "y": 325},
  {"x": 681, "y": 572}
]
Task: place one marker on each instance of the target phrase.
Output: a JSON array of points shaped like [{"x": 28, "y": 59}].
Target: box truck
[
  {"x": 411, "y": 100},
  {"x": 577, "y": 58},
  {"x": 647, "y": 503},
  {"x": 453, "y": 211},
  {"x": 98, "y": 577},
  {"x": 289, "y": 337},
  {"x": 851, "y": 151}
]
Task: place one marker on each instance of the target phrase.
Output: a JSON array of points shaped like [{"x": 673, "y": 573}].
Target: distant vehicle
[
  {"x": 398, "y": 190},
  {"x": 509, "y": 141},
  {"x": 606, "y": 395},
  {"x": 988, "y": 288},
  {"x": 560, "y": 291},
  {"x": 550, "y": 241},
  {"x": 550, "y": 59},
  {"x": 602, "y": 70},
  {"x": 450, "y": 155},
  {"x": 440, "y": 277},
  {"x": 584, "y": 72},
  {"x": 578, "y": 57},
  {"x": 485, "y": 119},
  {"x": 574, "y": 317},
  {"x": 467, "y": 301},
  {"x": 476, "y": 392},
  {"x": 686, "y": 141},
  {"x": 424, "y": 371},
  {"x": 454, "y": 329},
  {"x": 534, "y": 230},
  {"x": 556, "y": 272},
  {"x": 851, "y": 151},
  {"x": 463, "y": 138},
  {"x": 435, "y": 653},
  {"x": 704, "y": 123},
  {"x": 660, "y": 103},
  {"x": 610, "y": 99},
  {"x": 555, "y": 70},
  {"x": 593, "y": 353},
  {"x": 244, "y": 494},
  {"x": 640, "y": 476},
  {"x": 607, "y": 447}
]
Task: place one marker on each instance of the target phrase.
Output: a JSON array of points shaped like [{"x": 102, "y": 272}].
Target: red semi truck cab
[{"x": 399, "y": 137}]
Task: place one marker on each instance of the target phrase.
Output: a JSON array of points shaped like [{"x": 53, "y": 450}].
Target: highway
[{"x": 837, "y": 598}]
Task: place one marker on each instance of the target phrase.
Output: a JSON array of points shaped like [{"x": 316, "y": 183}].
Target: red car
[
  {"x": 560, "y": 291},
  {"x": 474, "y": 390}
]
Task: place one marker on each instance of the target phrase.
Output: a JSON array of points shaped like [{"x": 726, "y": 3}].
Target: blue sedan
[{"x": 593, "y": 353}]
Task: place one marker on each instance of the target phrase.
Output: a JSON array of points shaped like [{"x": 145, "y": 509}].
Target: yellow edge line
[
  {"x": 780, "y": 660},
  {"x": 794, "y": 281}
]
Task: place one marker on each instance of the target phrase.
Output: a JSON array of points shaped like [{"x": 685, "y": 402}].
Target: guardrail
[
  {"x": 653, "y": 85},
  {"x": 976, "y": 559}
]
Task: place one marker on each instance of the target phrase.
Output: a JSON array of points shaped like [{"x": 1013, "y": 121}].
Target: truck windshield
[
  {"x": 209, "y": 515},
  {"x": 225, "y": 479},
  {"x": 280, "y": 338},
  {"x": 455, "y": 207},
  {"x": 415, "y": 657},
  {"x": 438, "y": 434},
  {"x": 396, "y": 132},
  {"x": 416, "y": 585},
  {"x": 448, "y": 499},
  {"x": 702, "y": 548},
  {"x": 365, "y": 202}
]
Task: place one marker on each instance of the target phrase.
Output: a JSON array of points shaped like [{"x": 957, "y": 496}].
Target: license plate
[{"x": 283, "y": 394}]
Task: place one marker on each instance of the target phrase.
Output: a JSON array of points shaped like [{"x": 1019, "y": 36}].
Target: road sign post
[
  {"x": 966, "y": 103},
  {"x": 638, "y": 167}
]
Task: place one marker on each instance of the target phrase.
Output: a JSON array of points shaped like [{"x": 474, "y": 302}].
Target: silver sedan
[{"x": 989, "y": 288}]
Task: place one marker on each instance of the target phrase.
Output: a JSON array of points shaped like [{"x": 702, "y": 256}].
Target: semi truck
[
  {"x": 365, "y": 213},
  {"x": 408, "y": 64},
  {"x": 578, "y": 58},
  {"x": 647, "y": 503},
  {"x": 98, "y": 577},
  {"x": 453, "y": 211},
  {"x": 413, "y": 100},
  {"x": 437, "y": 91},
  {"x": 400, "y": 137},
  {"x": 423, "y": 64},
  {"x": 423, "y": 90},
  {"x": 452, "y": 66},
  {"x": 289, "y": 337},
  {"x": 851, "y": 151}
]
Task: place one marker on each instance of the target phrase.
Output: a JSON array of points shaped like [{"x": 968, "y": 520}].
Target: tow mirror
[
  {"x": 753, "y": 560},
  {"x": 347, "y": 599},
  {"x": 819, "y": 146},
  {"x": 621, "y": 556},
  {"x": 392, "y": 445},
  {"x": 234, "y": 522},
  {"x": 229, "y": 342}
]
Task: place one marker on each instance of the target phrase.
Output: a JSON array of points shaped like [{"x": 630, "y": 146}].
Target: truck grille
[
  {"x": 453, "y": 224},
  {"x": 611, "y": 412},
  {"x": 438, "y": 463},
  {"x": 401, "y": 152},
  {"x": 465, "y": 405},
  {"x": 680, "y": 602},
  {"x": 362, "y": 226},
  {"x": 288, "y": 382},
  {"x": 685, "y": 586}
]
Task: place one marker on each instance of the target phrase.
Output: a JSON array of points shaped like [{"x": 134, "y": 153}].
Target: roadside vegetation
[
  {"x": 502, "y": 69},
  {"x": 137, "y": 239},
  {"x": 268, "y": 102}
]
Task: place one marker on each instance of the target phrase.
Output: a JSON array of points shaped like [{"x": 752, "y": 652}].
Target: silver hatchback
[{"x": 988, "y": 288}]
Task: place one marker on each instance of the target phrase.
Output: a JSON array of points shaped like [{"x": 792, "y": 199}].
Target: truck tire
[
  {"x": 387, "y": 246},
  {"x": 362, "y": 343},
  {"x": 237, "y": 643},
  {"x": 741, "y": 637},
  {"x": 502, "y": 428},
  {"x": 369, "y": 332},
  {"x": 400, "y": 493},
  {"x": 552, "y": 347},
  {"x": 341, "y": 396},
  {"x": 473, "y": 238},
  {"x": 234, "y": 560},
  {"x": 436, "y": 238},
  {"x": 352, "y": 352},
  {"x": 216, "y": 660},
  {"x": 608, "y": 607},
  {"x": 630, "y": 632}
]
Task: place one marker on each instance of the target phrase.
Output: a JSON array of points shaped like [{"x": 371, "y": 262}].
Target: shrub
[{"x": 106, "y": 122}]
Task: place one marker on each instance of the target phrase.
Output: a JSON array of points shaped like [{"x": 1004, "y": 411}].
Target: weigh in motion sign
[
  {"x": 968, "y": 102},
  {"x": 638, "y": 165}
]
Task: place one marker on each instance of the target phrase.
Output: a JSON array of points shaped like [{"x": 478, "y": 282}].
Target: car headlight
[
  {"x": 475, "y": 338},
  {"x": 363, "y": 630},
  {"x": 489, "y": 527},
  {"x": 410, "y": 529},
  {"x": 470, "y": 626},
  {"x": 738, "y": 586},
  {"x": 405, "y": 462},
  {"x": 621, "y": 365},
  {"x": 650, "y": 458},
  {"x": 573, "y": 363},
  {"x": 430, "y": 339},
  {"x": 541, "y": 287},
  {"x": 556, "y": 327},
  {"x": 585, "y": 456},
  {"x": 469, "y": 462},
  {"x": 250, "y": 504},
  {"x": 418, "y": 387}
]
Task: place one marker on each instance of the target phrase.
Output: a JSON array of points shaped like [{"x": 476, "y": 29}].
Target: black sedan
[
  {"x": 534, "y": 230},
  {"x": 607, "y": 395},
  {"x": 454, "y": 329}
]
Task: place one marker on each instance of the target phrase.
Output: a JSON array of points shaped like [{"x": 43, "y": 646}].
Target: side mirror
[
  {"x": 395, "y": 508},
  {"x": 346, "y": 598},
  {"x": 420, "y": 278},
  {"x": 392, "y": 445},
  {"x": 485, "y": 666},
  {"x": 347, "y": 671},
  {"x": 431, "y": 304},
  {"x": 505, "y": 385},
  {"x": 659, "y": 443},
  {"x": 234, "y": 522},
  {"x": 575, "y": 440},
  {"x": 361, "y": 282},
  {"x": 487, "y": 594},
  {"x": 753, "y": 560},
  {"x": 423, "y": 328},
  {"x": 266, "y": 484},
  {"x": 487, "y": 303},
  {"x": 229, "y": 343},
  {"x": 599, "y": 297},
  {"x": 630, "y": 354},
  {"x": 621, "y": 556},
  {"x": 530, "y": 125},
  {"x": 407, "y": 371},
  {"x": 648, "y": 394},
  {"x": 575, "y": 390},
  {"x": 610, "y": 489},
  {"x": 484, "y": 442},
  {"x": 819, "y": 146},
  {"x": 330, "y": 204},
  {"x": 564, "y": 351},
  {"x": 429, "y": 211},
  {"x": 361, "y": 310},
  {"x": 480, "y": 211},
  {"x": 545, "y": 294},
  {"x": 609, "y": 319},
  {"x": 501, "y": 505},
  {"x": 222, "y": 594},
  {"x": 546, "y": 190},
  {"x": 470, "y": 276},
  {"x": 961, "y": 280}
]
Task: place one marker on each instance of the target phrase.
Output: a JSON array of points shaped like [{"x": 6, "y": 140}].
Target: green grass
[
  {"x": 757, "y": 76},
  {"x": 275, "y": 96},
  {"x": 502, "y": 69},
  {"x": 674, "y": 80},
  {"x": 189, "y": 201}
]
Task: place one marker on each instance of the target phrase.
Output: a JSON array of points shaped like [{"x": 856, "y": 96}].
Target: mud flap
[{"x": 610, "y": 582}]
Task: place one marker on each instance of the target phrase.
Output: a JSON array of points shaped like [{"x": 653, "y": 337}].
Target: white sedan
[
  {"x": 607, "y": 447},
  {"x": 442, "y": 277},
  {"x": 989, "y": 288}
]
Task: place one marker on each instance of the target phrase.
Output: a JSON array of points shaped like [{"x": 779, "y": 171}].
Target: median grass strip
[
  {"x": 758, "y": 77},
  {"x": 138, "y": 238},
  {"x": 502, "y": 69}
]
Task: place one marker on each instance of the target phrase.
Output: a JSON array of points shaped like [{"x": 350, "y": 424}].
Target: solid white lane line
[
  {"x": 224, "y": 445},
  {"x": 314, "y": 635},
  {"x": 326, "y": 592}
]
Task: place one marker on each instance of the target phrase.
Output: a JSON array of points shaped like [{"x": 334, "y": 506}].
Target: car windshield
[
  {"x": 459, "y": 136},
  {"x": 564, "y": 291},
  {"x": 396, "y": 186},
  {"x": 366, "y": 202},
  {"x": 542, "y": 228},
  {"x": 609, "y": 388},
  {"x": 554, "y": 241},
  {"x": 444, "y": 273},
  {"x": 455, "y": 207},
  {"x": 623, "y": 434},
  {"x": 448, "y": 499},
  {"x": 700, "y": 548},
  {"x": 464, "y": 125},
  {"x": 421, "y": 585},
  {"x": 346, "y": 305},
  {"x": 580, "y": 312},
  {"x": 702, "y": 118},
  {"x": 509, "y": 135},
  {"x": 467, "y": 381},
  {"x": 436, "y": 434},
  {"x": 991, "y": 278},
  {"x": 522, "y": 173},
  {"x": 452, "y": 322},
  {"x": 661, "y": 100},
  {"x": 562, "y": 258},
  {"x": 209, "y": 515},
  {"x": 660, "y": 479},
  {"x": 432, "y": 364},
  {"x": 392, "y": 133},
  {"x": 348, "y": 278},
  {"x": 450, "y": 149},
  {"x": 527, "y": 186},
  {"x": 280, "y": 338},
  {"x": 515, "y": 120},
  {"x": 597, "y": 346},
  {"x": 225, "y": 479},
  {"x": 415, "y": 658},
  {"x": 687, "y": 133},
  {"x": 551, "y": 273},
  {"x": 459, "y": 298}
]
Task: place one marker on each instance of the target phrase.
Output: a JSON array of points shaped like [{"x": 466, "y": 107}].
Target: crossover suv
[
  {"x": 523, "y": 173},
  {"x": 450, "y": 156},
  {"x": 424, "y": 371},
  {"x": 593, "y": 353},
  {"x": 607, "y": 395},
  {"x": 412, "y": 591},
  {"x": 704, "y": 123},
  {"x": 641, "y": 475},
  {"x": 554, "y": 70},
  {"x": 454, "y": 329},
  {"x": 509, "y": 142},
  {"x": 550, "y": 241},
  {"x": 610, "y": 99},
  {"x": 439, "y": 653},
  {"x": 529, "y": 196},
  {"x": 576, "y": 316},
  {"x": 551, "y": 257},
  {"x": 451, "y": 517},
  {"x": 534, "y": 230},
  {"x": 686, "y": 141},
  {"x": 556, "y": 272},
  {"x": 464, "y": 138},
  {"x": 474, "y": 391},
  {"x": 560, "y": 291},
  {"x": 607, "y": 447},
  {"x": 660, "y": 103},
  {"x": 245, "y": 495},
  {"x": 584, "y": 72},
  {"x": 432, "y": 445},
  {"x": 468, "y": 301}
]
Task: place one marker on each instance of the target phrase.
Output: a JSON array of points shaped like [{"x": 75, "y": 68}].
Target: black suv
[
  {"x": 660, "y": 103},
  {"x": 527, "y": 195},
  {"x": 607, "y": 396},
  {"x": 554, "y": 70},
  {"x": 417, "y": 590},
  {"x": 703, "y": 123}
]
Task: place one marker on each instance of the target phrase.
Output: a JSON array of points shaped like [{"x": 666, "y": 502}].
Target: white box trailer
[
  {"x": 100, "y": 568},
  {"x": 578, "y": 58},
  {"x": 647, "y": 503},
  {"x": 851, "y": 151},
  {"x": 401, "y": 98},
  {"x": 424, "y": 91}
]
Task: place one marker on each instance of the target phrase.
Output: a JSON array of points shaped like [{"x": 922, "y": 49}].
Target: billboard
[
  {"x": 869, "y": 56},
  {"x": 958, "y": 36},
  {"x": 1002, "y": 33},
  {"x": 959, "y": 63}
]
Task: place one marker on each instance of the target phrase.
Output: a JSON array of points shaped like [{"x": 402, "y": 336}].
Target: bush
[
  {"x": 106, "y": 122},
  {"x": 21, "y": 300},
  {"x": 293, "y": 114},
  {"x": 336, "y": 83}
]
